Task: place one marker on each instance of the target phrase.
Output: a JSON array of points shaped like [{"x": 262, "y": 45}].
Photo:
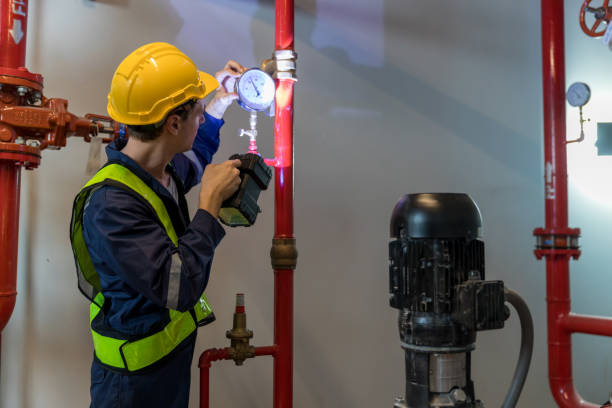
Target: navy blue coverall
[{"x": 132, "y": 254}]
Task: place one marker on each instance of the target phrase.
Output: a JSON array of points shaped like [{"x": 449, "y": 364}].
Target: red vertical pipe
[
  {"x": 10, "y": 177},
  {"x": 283, "y": 34},
  {"x": 553, "y": 78},
  {"x": 205, "y": 386},
  {"x": 557, "y": 265},
  {"x": 283, "y": 210},
  {"x": 283, "y": 338},
  {"x": 13, "y": 28}
]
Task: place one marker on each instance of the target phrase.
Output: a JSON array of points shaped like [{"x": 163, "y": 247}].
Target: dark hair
[{"x": 147, "y": 133}]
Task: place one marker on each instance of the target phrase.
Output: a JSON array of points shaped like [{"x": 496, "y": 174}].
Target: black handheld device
[{"x": 241, "y": 209}]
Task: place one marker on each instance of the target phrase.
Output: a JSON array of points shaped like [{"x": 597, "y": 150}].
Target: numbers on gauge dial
[
  {"x": 578, "y": 94},
  {"x": 256, "y": 89}
]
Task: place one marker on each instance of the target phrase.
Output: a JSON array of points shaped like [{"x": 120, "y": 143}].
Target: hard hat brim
[{"x": 210, "y": 83}]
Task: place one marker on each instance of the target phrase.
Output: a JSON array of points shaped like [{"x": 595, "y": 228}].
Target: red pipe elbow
[
  {"x": 566, "y": 395},
  {"x": 211, "y": 355},
  {"x": 7, "y": 304}
]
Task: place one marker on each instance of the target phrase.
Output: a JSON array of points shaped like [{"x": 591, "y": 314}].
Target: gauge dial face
[
  {"x": 256, "y": 89},
  {"x": 578, "y": 94}
]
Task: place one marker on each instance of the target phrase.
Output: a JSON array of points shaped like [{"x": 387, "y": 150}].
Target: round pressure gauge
[
  {"x": 578, "y": 94},
  {"x": 256, "y": 90}
]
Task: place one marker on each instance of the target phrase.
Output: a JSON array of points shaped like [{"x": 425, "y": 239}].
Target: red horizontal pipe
[
  {"x": 13, "y": 28},
  {"x": 596, "y": 325},
  {"x": 10, "y": 182},
  {"x": 266, "y": 351}
]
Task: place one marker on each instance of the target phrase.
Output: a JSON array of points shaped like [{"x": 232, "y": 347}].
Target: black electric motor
[{"x": 436, "y": 277}]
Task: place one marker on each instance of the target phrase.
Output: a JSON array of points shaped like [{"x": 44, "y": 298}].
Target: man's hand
[
  {"x": 225, "y": 94},
  {"x": 219, "y": 182}
]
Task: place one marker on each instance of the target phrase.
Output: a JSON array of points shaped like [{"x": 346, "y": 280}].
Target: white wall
[{"x": 394, "y": 97}]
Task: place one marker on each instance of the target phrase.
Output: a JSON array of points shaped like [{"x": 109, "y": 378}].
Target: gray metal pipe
[{"x": 522, "y": 366}]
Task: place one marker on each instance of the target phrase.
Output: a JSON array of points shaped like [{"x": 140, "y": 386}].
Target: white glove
[{"x": 225, "y": 95}]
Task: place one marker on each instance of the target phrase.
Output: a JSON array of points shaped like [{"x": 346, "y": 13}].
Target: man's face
[{"x": 188, "y": 128}]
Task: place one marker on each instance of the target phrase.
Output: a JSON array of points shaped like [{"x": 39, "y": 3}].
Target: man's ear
[{"x": 173, "y": 124}]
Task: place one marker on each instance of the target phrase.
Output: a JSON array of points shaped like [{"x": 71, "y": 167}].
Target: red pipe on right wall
[{"x": 557, "y": 242}]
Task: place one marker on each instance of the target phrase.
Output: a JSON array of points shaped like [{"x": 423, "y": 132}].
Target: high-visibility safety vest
[{"x": 122, "y": 352}]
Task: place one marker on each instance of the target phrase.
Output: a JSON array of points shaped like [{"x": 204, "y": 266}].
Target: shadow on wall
[
  {"x": 486, "y": 134},
  {"x": 120, "y": 3},
  {"x": 137, "y": 22}
]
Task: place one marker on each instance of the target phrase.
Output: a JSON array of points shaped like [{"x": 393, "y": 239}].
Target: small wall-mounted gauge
[
  {"x": 578, "y": 94},
  {"x": 256, "y": 90}
]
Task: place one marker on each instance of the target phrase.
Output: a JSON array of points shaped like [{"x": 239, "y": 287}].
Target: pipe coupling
[
  {"x": 284, "y": 253},
  {"x": 284, "y": 64}
]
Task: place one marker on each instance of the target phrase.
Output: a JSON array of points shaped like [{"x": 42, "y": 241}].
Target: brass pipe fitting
[
  {"x": 240, "y": 336},
  {"x": 284, "y": 253},
  {"x": 282, "y": 65}
]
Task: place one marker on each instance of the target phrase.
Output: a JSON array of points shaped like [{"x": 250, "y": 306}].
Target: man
[{"x": 140, "y": 260}]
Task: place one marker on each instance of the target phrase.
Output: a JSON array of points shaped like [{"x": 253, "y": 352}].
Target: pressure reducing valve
[{"x": 241, "y": 209}]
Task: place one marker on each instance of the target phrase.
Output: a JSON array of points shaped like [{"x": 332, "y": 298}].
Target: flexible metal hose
[{"x": 522, "y": 366}]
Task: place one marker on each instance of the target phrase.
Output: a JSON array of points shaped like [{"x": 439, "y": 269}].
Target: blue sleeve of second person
[{"x": 190, "y": 165}]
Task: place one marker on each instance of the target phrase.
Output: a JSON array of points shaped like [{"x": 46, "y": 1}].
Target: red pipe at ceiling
[{"x": 557, "y": 242}]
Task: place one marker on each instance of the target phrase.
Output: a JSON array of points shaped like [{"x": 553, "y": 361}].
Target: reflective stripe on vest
[{"x": 136, "y": 354}]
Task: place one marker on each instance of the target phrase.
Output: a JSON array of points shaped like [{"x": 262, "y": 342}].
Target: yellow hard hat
[{"x": 153, "y": 80}]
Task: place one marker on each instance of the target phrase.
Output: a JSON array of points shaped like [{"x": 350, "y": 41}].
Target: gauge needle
[{"x": 254, "y": 87}]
